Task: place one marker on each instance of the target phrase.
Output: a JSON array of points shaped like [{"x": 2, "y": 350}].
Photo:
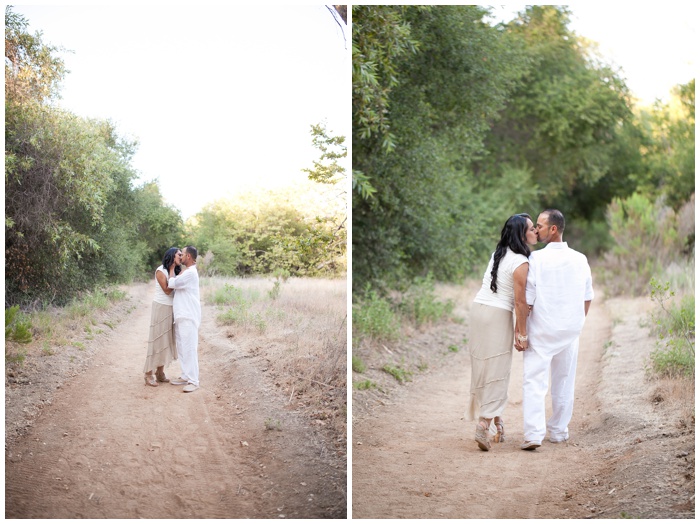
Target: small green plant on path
[
  {"x": 358, "y": 366},
  {"x": 365, "y": 384},
  {"x": 17, "y": 326},
  {"x": 373, "y": 316},
  {"x": 420, "y": 305},
  {"x": 271, "y": 424},
  {"x": 400, "y": 374}
]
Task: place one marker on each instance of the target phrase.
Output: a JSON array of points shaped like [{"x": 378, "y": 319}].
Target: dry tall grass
[
  {"x": 677, "y": 397},
  {"x": 300, "y": 327},
  {"x": 649, "y": 237}
]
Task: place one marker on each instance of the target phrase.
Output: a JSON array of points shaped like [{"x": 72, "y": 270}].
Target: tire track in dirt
[
  {"x": 110, "y": 447},
  {"x": 416, "y": 458}
]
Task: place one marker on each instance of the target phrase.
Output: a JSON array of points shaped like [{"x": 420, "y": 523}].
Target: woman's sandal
[
  {"x": 482, "y": 434},
  {"x": 150, "y": 380},
  {"x": 500, "y": 436},
  {"x": 161, "y": 377}
]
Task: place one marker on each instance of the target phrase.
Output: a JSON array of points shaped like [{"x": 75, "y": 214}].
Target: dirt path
[
  {"x": 107, "y": 446},
  {"x": 413, "y": 454}
]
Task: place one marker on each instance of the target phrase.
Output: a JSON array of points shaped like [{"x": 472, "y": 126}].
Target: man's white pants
[
  {"x": 186, "y": 339},
  {"x": 536, "y": 370}
]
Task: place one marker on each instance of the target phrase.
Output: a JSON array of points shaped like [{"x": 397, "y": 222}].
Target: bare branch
[{"x": 342, "y": 12}]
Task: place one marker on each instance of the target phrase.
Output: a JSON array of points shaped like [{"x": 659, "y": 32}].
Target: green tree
[
  {"x": 669, "y": 152},
  {"x": 417, "y": 123},
  {"x": 380, "y": 37},
  {"x": 72, "y": 215},
  {"x": 565, "y": 119},
  {"x": 32, "y": 71},
  {"x": 330, "y": 228},
  {"x": 265, "y": 231}
]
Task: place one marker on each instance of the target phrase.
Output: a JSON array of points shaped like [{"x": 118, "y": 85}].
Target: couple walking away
[
  {"x": 175, "y": 317},
  {"x": 550, "y": 291}
]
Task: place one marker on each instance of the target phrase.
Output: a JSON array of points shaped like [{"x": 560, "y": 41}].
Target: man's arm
[
  {"x": 530, "y": 285},
  {"x": 181, "y": 280}
]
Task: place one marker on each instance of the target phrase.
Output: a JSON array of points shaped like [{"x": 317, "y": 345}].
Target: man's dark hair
[
  {"x": 192, "y": 251},
  {"x": 555, "y": 218}
]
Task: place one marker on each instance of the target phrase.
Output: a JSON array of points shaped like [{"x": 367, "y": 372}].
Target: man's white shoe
[
  {"x": 530, "y": 445},
  {"x": 189, "y": 388},
  {"x": 178, "y": 381}
]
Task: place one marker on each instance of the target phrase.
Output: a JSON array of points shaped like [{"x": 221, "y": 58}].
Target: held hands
[{"x": 521, "y": 343}]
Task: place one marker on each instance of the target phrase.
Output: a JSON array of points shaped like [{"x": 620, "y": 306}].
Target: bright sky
[
  {"x": 656, "y": 45},
  {"x": 224, "y": 97},
  {"x": 220, "y": 98}
]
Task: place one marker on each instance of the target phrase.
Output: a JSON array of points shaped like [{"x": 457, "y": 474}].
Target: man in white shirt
[
  {"x": 559, "y": 289},
  {"x": 187, "y": 313}
]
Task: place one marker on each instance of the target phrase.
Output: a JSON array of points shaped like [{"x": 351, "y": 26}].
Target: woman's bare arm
[
  {"x": 521, "y": 308},
  {"x": 160, "y": 277}
]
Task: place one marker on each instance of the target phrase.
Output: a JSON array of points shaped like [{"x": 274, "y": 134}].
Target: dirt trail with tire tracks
[
  {"x": 414, "y": 455},
  {"x": 108, "y": 446}
]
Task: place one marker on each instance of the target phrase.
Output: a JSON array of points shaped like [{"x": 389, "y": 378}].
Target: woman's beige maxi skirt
[
  {"x": 161, "y": 339},
  {"x": 491, "y": 348}
]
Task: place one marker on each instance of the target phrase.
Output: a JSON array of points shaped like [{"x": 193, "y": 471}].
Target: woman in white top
[
  {"x": 161, "y": 339},
  {"x": 491, "y": 339}
]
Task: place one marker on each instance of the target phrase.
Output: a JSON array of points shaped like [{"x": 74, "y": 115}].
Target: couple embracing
[
  {"x": 175, "y": 318},
  {"x": 550, "y": 291}
]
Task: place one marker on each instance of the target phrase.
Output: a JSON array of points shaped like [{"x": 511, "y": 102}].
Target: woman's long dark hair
[
  {"x": 513, "y": 236},
  {"x": 169, "y": 260}
]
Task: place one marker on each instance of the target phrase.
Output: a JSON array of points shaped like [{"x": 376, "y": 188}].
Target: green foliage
[
  {"x": 625, "y": 515},
  {"x": 646, "y": 240},
  {"x": 358, "y": 366},
  {"x": 239, "y": 311},
  {"x": 297, "y": 231},
  {"x": 271, "y": 424},
  {"x": 374, "y": 316},
  {"x": 274, "y": 293},
  {"x": 669, "y": 147},
  {"x": 32, "y": 72},
  {"x": 380, "y": 37},
  {"x": 329, "y": 233},
  {"x": 17, "y": 357},
  {"x": 293, "y": 231},
  {"x": 18, "y": 328},
  {"x": 328, "y": 168},
  {"x": 241, "y": 315},
  {"x": 86, "y": 304},
  {"x": 70, "y": 205},
  {"x": 364, "y": 385},
  {"x": 674, "y": 325},
  {"x": 378, "y": 317},
  {"x": 229, "y": 294},
  {"x": 565, "y": 119},
  {"x": 426, "y": 84},
  {"x": 420, "y": 305},
  {"x": 362, "y": 186},
  {"x": 400, "y": 374}
]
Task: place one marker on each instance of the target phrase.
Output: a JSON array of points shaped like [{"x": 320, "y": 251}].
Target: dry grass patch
[
  {"x": 57, "y": 329},
  {"x": 677, "y": 397},
  {"x": 299, "y": 326}
]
